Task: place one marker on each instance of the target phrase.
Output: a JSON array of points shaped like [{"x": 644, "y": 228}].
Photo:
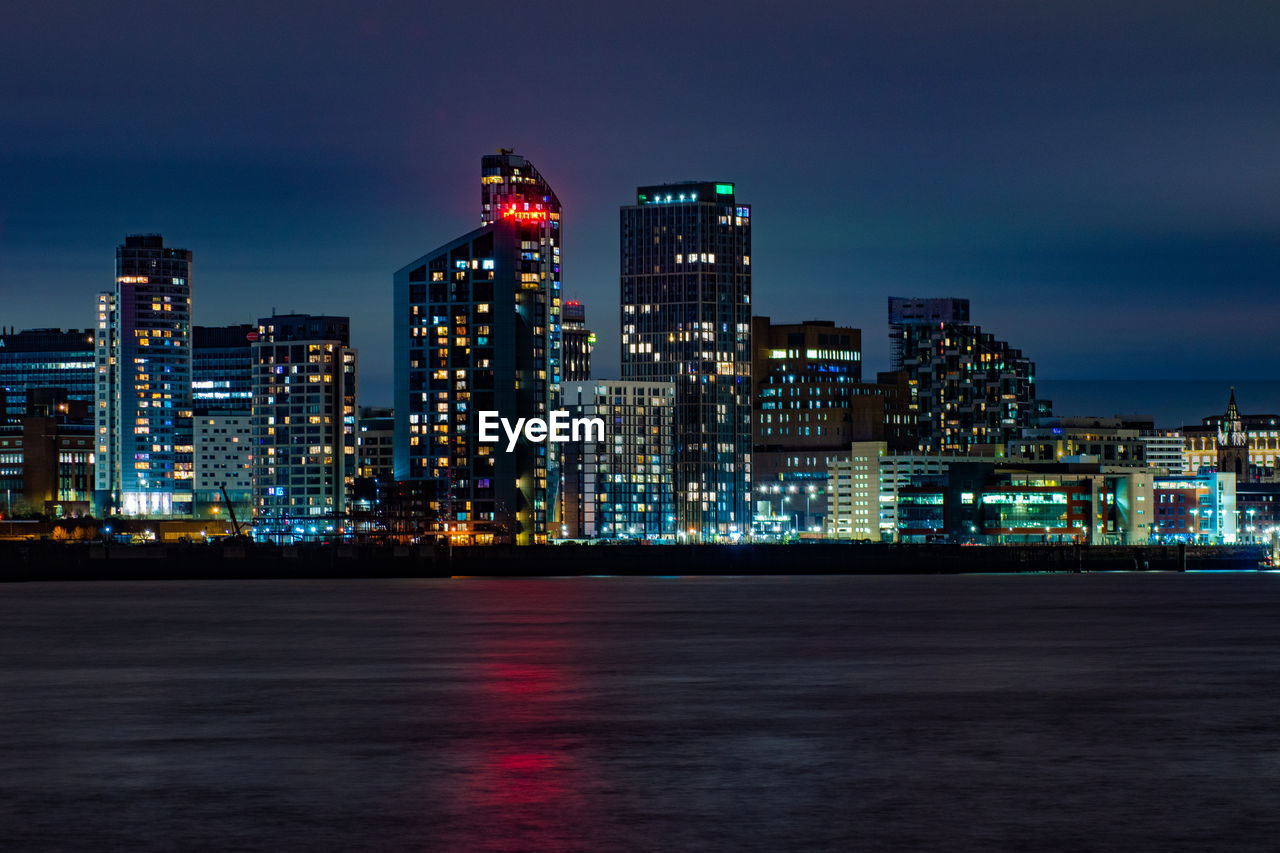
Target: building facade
[
  {"x": 967, "y": 388},
  {"x": 45, "y": 358},
  {"x": 619, "y": 485},
  {"x": 1196, "y": 508},
  {"x": 1164, "y": 449},
  {"x": 809, "y": 404},
  {"x": 375, "y": 443},
  {"x": 1026, "y": 503},
  {"x": 1220, "y": 441},
  {"x": 686, "y": 319},
  {"x": 47, "y": 456},
  {"x": 578, "y": 342},
  {"x": 222, "y": 368},
  {"x": 1107, "y": 441},
  {"x": 1258, "y": 511},
  {"x": 223, "y": 442},
  {"x": 477, "y": 328},
  {"x": 853, "y": 481},
  {"x": 303, "y": 426},
  {"x": 143, "y": 382},
  {"x": 914, "y": 310}
]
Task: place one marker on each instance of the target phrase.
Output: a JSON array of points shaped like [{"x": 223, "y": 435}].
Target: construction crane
[{"x": 231, "y": 512}]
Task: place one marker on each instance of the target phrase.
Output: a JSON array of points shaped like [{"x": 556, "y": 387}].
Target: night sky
[{"x": 1102, "y": 180}]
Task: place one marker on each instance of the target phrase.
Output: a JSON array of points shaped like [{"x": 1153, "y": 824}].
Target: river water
[{"x": 1026, "y": 712}]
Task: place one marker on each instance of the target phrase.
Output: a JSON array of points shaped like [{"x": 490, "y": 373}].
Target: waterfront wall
[{"x": 34, "y": 561}]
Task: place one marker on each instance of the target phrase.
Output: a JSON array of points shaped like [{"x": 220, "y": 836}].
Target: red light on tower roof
[{"x": 513, "y": 212}]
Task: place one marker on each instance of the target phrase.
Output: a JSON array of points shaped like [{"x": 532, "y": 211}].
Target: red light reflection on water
[{"x": 527, "y": 782}]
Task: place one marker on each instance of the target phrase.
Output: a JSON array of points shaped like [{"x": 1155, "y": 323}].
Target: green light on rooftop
[{"x": 724, "y": 189}]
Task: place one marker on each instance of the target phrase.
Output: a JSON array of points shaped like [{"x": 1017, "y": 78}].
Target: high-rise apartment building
[
  {"x": 44, "y": 358},
  {"x": 303, "y": 425},
  {"x": 578, "y": 342},
  {"x": 618, "y": 485},
  {"x": 512, "y": 190},
  {"x": 477, "y": 328},
  {"x": 686, "y": 319},
  {"x": 914, "y": 310},
  {"x": 222, "y": 401},
  {"x": 143, "y": 382},
  {"x": 967, "y": 388}
]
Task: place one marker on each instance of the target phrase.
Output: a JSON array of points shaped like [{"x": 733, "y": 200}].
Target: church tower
[{"x": 1233, "y": 443}]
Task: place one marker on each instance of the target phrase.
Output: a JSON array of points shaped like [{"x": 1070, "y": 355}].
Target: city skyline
[{"x": 1033, "y": 160}]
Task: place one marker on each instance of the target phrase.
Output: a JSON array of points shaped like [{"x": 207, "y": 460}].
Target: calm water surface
[{"x": 1033, "y": 712}]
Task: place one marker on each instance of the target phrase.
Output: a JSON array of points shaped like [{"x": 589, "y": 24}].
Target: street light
[{"x": 807, "y": 496}]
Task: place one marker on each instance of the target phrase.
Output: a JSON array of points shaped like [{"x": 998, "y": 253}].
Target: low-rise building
[
  {"x": 1195, "y": 508},
  {"x": 853, "y": 486},
  {"x": 1010, "y": 502},
  {"x": 1107, "y": 441}
]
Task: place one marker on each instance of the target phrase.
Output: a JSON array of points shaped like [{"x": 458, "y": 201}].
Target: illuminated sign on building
[{"x": 525, "y": 215}]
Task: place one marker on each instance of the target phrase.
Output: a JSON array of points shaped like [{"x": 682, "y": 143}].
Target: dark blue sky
[{"x": 1100, "y": 179}]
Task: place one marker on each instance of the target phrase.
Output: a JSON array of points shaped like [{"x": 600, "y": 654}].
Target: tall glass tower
[
  {"x": 686, "y": 318},
  {"x": 512, "y": 190},
  {"x": 143, "y": 391},
  {"x": 477, "y": 328}
]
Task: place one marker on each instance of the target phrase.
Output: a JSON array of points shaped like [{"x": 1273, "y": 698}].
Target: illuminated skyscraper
[
  {"x": 303, "y": 425},
  {"x": 477, "y": 328},
  {"x": 143, "y": 391},
  {"x": 686, "y": 318}
]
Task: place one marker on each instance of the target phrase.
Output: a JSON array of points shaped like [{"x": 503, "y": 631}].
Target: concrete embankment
[{"x": 36, "y": 561}]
